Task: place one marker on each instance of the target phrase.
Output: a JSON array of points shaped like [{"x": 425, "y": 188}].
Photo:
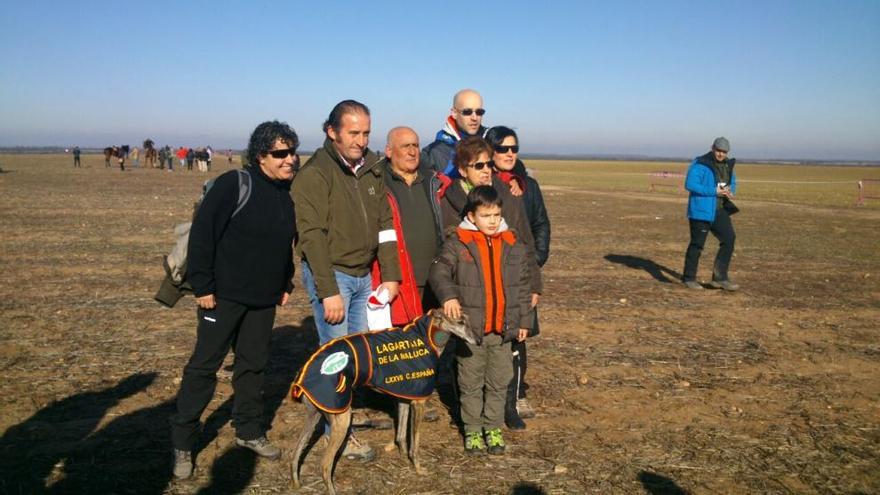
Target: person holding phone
[{"x": 711, "y": 183}]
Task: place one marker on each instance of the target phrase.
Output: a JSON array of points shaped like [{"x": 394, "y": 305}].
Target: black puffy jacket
[{"x": 533, "y": 201}]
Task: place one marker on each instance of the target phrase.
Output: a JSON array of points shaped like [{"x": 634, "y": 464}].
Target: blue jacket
[{"x": 701, "y": 183}]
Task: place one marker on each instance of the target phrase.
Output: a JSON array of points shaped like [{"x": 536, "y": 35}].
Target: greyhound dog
[{"x": 400, "y": 362}]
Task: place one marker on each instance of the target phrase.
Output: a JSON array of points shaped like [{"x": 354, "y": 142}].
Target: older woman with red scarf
[{"x": 512, "y": 171}]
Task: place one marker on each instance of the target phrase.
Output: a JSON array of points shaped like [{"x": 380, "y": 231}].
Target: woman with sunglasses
[
  {"x": 240, "y": 265},
  {"x": 511, "y": 170}
]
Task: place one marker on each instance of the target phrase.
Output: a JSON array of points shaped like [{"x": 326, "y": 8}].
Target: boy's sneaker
[
  {"x": 524, "y": 409},
  {"x": 183, "y": 464},
  {"x": 494, "y": 442},
  {"x": 724, "y": 284},
  {"x": 692, "y": 284},
  {"x": 357, "y": 451},
  {"x": 473, "y": 443},
  {"x": 261, "y": 446}
]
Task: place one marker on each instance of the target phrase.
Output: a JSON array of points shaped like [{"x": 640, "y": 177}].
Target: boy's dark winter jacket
[{"x": 459, "y": 273}]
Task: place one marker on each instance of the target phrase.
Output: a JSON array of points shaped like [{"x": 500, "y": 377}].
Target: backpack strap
[{"x": 244, "y": 189}]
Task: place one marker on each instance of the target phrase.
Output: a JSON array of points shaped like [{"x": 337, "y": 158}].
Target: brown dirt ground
[{"x": 772, "y": 389}]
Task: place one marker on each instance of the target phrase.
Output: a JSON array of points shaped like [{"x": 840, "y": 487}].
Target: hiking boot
[
  {"x": 692, "y": 284},
  {"x": 261, "y": 446},
  {"x": 494, "y": 442},
  {"x": 724, "y": 284},
  {"x": 524, "y": 409},
  {"x": 473, "y": 443},
  {"x": 183, "y": 464},
  {"x": 357, "y": 451}
]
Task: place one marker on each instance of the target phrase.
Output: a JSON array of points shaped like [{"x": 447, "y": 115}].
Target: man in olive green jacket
[{"x": 344, "y": 223}]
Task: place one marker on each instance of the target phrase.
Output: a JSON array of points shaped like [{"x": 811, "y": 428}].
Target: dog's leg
[
  {"x": 313, "y": 416},
  {"x": 418, "y": 412},
  {"x": 402, "y": 426},
  {"x": 339, "y": 424}
]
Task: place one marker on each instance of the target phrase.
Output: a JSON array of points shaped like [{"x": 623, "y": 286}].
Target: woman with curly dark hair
[{"x": 240, "y": 266}]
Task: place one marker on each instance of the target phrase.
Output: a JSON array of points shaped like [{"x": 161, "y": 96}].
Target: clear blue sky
[{"x": 780, "y": 79}]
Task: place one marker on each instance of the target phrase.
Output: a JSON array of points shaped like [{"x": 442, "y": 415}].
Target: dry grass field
[{"x": 641, "y": 386}]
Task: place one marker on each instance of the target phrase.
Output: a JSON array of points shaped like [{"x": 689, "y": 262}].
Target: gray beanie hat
[{"x": 721, "y": 144}]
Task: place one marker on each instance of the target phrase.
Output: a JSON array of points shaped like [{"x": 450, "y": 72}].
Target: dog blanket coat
[{"x": 398, "y": 361}]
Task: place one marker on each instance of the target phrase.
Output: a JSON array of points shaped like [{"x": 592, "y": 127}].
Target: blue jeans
[{"x": 354, "y": 291}]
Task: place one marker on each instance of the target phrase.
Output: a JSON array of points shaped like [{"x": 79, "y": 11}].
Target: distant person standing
[
  {"x": 76, "y": 162},
  {"x": 163, "y": 155},
  {"x": 135, "y": 156},
  {"x": 229, "y": 156},
  {"x": 465, "y": 119},
  {"x": 169, "y": 158},
  {"x": 202, "y": 159},
  {"x": 210, "y": 155},
  {"x": 181, "y": 156},
  {"x": 711, "y": 182},
  {"x": 190, "y": 158}
]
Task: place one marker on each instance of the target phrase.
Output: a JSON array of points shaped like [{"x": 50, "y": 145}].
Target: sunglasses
[
  {"x": 468, "y": 111},
  {"x": 281, "y": 154},
  {"x": 506, "y": 149},
  {"x": 481, "y": 165}
]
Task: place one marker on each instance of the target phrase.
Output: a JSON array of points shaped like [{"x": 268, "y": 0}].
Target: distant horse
[
  {"x": 109, "y": 153},
  {"x": 150, "y": 154},
  {"x": 118, "y": 152}
]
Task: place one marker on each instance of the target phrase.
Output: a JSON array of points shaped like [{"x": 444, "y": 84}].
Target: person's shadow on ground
[
  {"x": 132, "y": 453},
  {"x": 657, "y": 271},
  {"x": 656, "y": 484},
  {"x": 53, "y": 436}
]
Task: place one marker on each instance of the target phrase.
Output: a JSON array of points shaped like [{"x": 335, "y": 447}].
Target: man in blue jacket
[
  {"x": 712, "y": 184},
  {"x": 465, "y": 119}
]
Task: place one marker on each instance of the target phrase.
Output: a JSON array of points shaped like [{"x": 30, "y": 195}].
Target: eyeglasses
[
  {"x": 282, "y": 154},
  {"x": 481, "y": 165},
  {"x": 468, "y": 111},
  {"x": 506, "y": 149}
]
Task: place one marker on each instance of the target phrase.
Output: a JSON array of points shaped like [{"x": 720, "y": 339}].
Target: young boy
[{"x": 483, "y": 271}]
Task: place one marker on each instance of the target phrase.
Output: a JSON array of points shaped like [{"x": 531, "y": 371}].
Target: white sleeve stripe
[{"x": 387, "y": 236}]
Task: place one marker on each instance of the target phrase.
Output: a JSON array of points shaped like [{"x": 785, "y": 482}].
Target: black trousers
[
  {"x": 245, "y": 329},
  {"x": 722, "y": 229}
]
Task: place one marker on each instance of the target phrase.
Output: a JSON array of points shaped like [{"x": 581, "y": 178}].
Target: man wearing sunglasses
[
  {"x": 465, "y": 119},
  {"x": 344, "y": 223}
]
